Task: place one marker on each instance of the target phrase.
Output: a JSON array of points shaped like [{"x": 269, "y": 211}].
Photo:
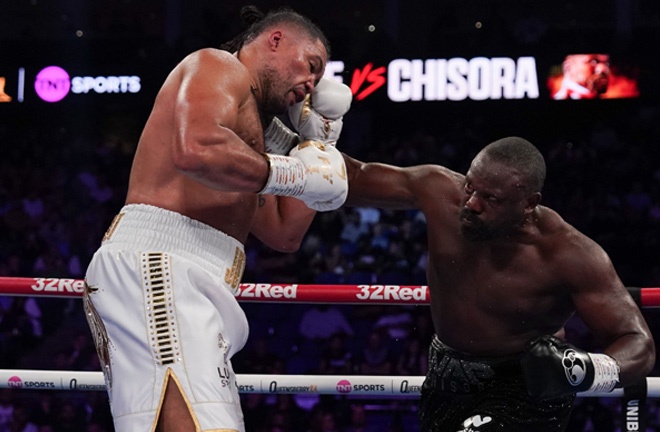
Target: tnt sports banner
[
  {"x": 573, "y": 76},
  {"x": 54, "y": 83}
]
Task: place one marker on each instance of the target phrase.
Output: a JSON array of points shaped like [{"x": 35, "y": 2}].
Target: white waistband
[{"x": 141, "y": 227}]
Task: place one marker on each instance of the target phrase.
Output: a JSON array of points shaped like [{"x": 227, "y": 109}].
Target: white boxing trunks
[{"x": 160, "y": 303}]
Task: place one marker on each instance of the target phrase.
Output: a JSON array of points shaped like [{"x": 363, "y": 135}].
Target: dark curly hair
[{"x": 258, "y": 22}]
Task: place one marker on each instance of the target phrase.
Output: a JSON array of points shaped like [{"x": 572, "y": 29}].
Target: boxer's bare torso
[
  {"x": 156, "y": 178},
  {"x": 490, "y": 296}
]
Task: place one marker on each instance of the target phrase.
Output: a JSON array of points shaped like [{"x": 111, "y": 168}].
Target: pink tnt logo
[
  {"x": 344, "y": 386},
  {"x": 52, "y": 84},
  {"x": 15, "y": 382}
]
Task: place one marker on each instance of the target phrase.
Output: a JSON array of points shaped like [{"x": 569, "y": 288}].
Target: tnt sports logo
[
  {"x": 574, "y": 367},
  {"x": 53, "y": 84},
  {"x": 15, "y": 382},
  {"x": 344, "y": 386}
]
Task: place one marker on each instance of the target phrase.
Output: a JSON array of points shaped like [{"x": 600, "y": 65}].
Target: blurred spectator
[
  {"x": 336, "y": 359},
  {"x": 413, "y": 360},
  {"x": 590, "y": 414},
  {"x": 44, "y": 411},
  {"x": 358, "y": 420},
  {"x": 70, "y": 418},
  {"x": 96, "y": 410},
  {"x": 6, "y": 408},
  {"x": 286, "y": 414},
  {"x": 368, "y": 216},
  {"x": 321, "y": 321},
  {"x": 353, "y": 227},
  {"x": 20, "y": 421},
  {"x": 256, "y": 358},
  {"x": 376, "y": 357},
  {"x": 20, "y": 328},
  {"x": 322, "y": 421},
  {"x": 255, "y": 411},
  {"x": 422, "y": 329},
  {"x": 396, "y": 322}
]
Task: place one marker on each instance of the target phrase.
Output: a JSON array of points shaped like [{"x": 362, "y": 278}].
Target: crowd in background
[{"x": 60, "y": 188}]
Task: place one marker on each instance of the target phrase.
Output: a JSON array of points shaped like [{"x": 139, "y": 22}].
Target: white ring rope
[{"x": 363, "y": 385}]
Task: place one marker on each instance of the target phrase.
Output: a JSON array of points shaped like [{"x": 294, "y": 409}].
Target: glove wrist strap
[
  {"x": 278, "y": 138},
  {"x": 286, "y": 176},
  {"x": 606, "y": 373}
]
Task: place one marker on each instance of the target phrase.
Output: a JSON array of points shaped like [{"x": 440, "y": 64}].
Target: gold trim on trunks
[
  {"x": 112, "y": 227},
  {"x": 235, "y": 272},
  {"x": 159, "y": 302},
  {"x": 99, "y": 333}
]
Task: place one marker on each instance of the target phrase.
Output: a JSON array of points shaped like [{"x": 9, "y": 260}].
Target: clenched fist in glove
[
  {"x": 313, "y": 172},
  {"x": 553, "y": 367},
  {"x": 318, "y": 117}
]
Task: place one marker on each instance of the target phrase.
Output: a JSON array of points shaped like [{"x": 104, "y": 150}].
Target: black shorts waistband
[{"x": 501, "y": 365}]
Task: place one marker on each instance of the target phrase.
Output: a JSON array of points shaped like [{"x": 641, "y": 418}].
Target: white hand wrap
[
  {"x": 279, "y": 139},
  {"x": 319, "y": 116},
  {"x": 606, "y": 373},
  {"x": 286, "y": 176},
  {"x": 314, "y": 173}
]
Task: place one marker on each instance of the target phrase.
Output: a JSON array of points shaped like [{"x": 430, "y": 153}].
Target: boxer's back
[{"x": 155, "y": 178}]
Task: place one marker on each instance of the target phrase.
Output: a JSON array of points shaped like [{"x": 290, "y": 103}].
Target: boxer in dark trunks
[{"x": 505, "y": 275}]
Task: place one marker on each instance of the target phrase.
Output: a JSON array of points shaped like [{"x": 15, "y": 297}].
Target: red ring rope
[{"x": 289, "y": 293}]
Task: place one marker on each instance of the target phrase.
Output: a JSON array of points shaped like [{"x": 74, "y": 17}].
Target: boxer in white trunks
[{"x": 213, "y": 165}]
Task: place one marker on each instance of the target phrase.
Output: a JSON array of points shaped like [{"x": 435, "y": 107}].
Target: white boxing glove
[
  {"x": 279, "y": 139},
  {"x": 314, "y": 173},
  {"x": 319, "y": 116}
]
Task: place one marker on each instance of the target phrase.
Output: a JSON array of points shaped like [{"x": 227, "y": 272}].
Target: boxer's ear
[{"x": 274, "y": 39}]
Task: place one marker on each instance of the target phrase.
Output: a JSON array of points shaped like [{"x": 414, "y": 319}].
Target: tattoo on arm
[{"x": 262, "y": 201}]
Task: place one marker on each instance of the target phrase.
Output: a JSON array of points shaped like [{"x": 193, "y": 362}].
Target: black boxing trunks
[{"x": 463, "y": 393}]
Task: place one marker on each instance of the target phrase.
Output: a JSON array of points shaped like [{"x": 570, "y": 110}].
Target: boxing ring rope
[
  {"x": 289, "y": 293},
  {"x": 362, "y": 385},
  {"x": 633, "y": 397}
]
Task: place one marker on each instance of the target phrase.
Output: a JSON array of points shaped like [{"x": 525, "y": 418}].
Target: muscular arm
[
  {"x": 281, "y": 222},
  {"x": 387, "y": 186},
  {"x": 212, "y": 92},
  {"x": 604, "y": 304}
]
